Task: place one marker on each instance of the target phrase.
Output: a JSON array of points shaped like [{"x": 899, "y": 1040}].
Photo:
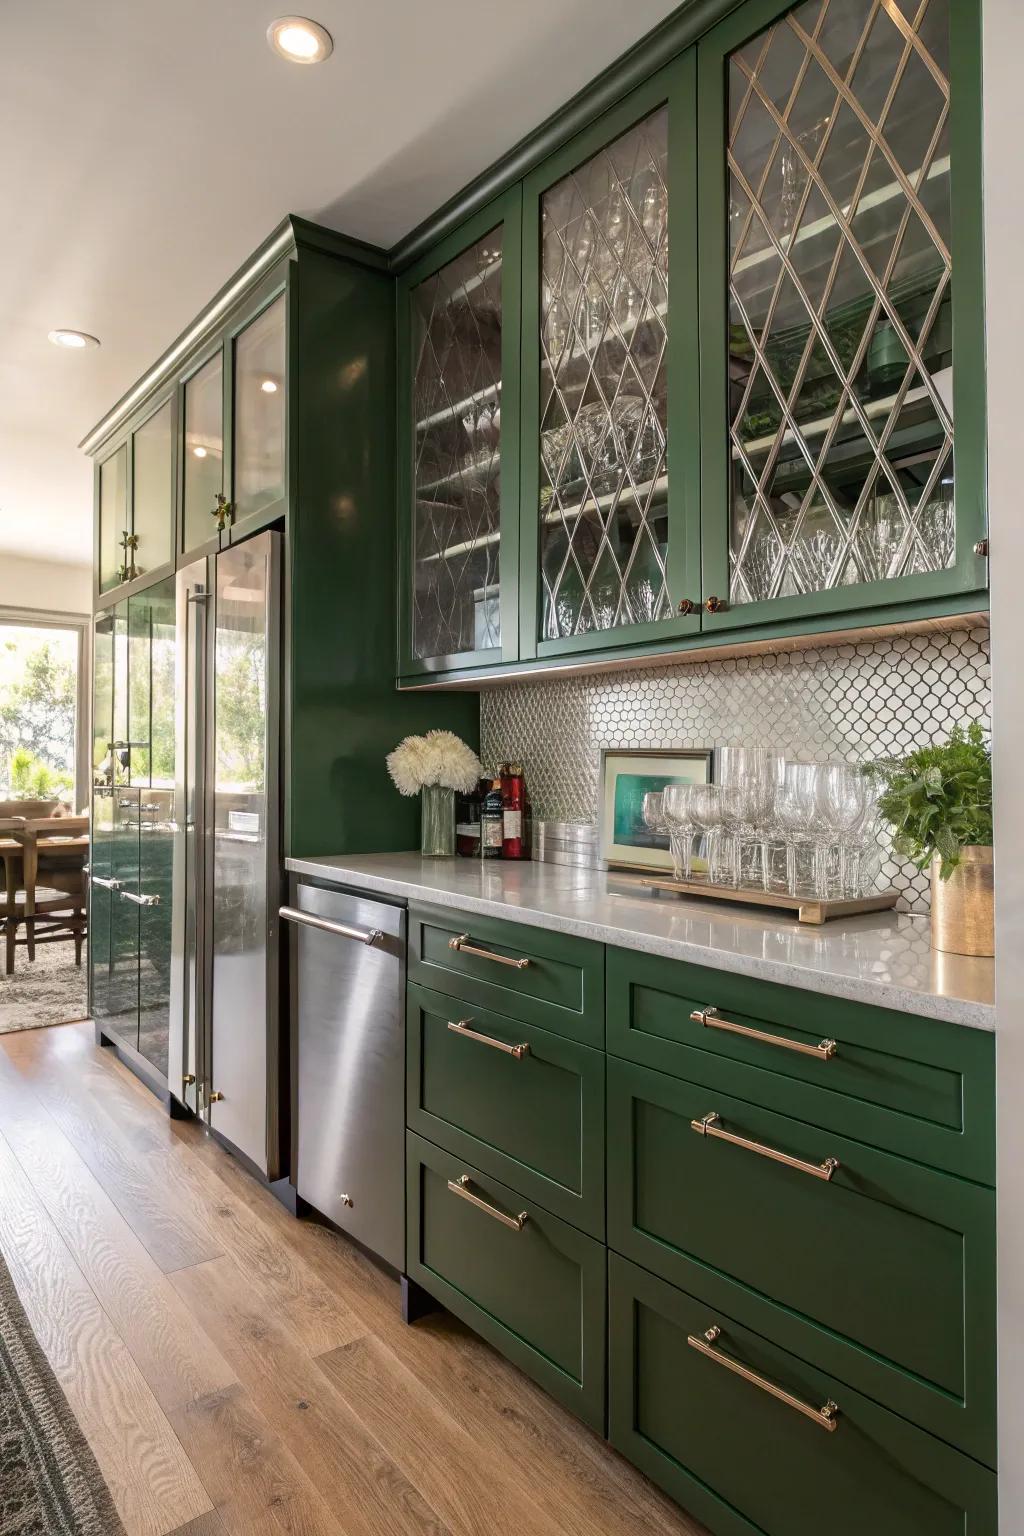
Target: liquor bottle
[
  {"x": 513, "y": 804},
  {"x": 491, "y": 821},
  {"x": 467, "y": 824}
]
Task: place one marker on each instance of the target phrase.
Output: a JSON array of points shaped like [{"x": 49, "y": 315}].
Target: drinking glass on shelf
[
  {"x": 706, "y": 813},
  {"x": 795, "y": 807},
  {"x": 654, "y": 811},
  {"x": 679, "y": 818},
  {"x": 843, "y": 797},
  {"x": 749, "y": 777}
]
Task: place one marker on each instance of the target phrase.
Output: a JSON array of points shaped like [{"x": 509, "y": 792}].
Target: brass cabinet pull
[
  {"x": 460, "y": 1187},
  {"x": 711, "y": 1125},
  {"x": 711, "y": 1019},
  {"x": 141, "y": 901},
  {"x": 108, "y": 885},
  {"x": 462, "y": 944},
  {"x": 685, "y": 606},
  {"x": 214, "y": 1098},
  {"x": 715, "y": 604},
  {"x": 826, "y": 1418},
  {"x": 463, "y": 1028}
]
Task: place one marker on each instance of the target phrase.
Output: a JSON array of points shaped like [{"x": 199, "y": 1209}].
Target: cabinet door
[
  {"x": 203, "y": 459},
  {"x": 113, "y": 517},
  {"x": 151, "y": 663},
  {"x": 101, "y": 867},
  {"x": 259, "y": 390},
  {"x": 123, "y": 1014},
  {"x": 610, "y": 551},
  {"x": 153, "y": 490},
  {"x": 458, "y": 413},
  {"x": 840, "y": 308}
]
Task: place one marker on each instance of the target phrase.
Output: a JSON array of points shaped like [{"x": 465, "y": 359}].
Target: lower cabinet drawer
[
  {"x": 747, "y": 1460},
  {"x": 885, "y": 1269},
  {"x": 522, "y": 1103},
  {"x": 530, "y": 1284}
]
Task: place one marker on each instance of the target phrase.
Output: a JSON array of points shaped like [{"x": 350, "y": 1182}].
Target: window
[{"x": 41, "y": 712}]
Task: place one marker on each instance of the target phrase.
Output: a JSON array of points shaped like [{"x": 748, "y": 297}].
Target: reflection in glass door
[
  {"x": 840, "y": 349},
  {"x": 456, "y": 397},
  {"x": 603, "y": 503},
  {"x": 204, "y": 451}
]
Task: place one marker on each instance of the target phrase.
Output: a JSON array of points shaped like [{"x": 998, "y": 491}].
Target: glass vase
[{"x": 437, "y": 821}]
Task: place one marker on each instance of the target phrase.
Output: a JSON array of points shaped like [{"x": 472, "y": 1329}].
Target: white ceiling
[{"x": 149, "y": 146}]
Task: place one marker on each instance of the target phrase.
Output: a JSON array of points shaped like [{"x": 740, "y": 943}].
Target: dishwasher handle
[{"x": 341, "y": 930}]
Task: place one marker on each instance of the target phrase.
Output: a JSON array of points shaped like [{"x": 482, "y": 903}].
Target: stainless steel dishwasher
[{"x": 348, "y": 1011}]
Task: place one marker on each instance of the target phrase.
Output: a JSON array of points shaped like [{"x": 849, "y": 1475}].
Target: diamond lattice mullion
[{"x": 848, "y": 95}]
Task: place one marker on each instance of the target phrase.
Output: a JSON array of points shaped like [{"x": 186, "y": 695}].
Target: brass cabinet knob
[
  {"x": 223, "y": 511},
  {"x": 189, "y": 1079},
  {"x": 347, "y": 1200},
  {"x": 714, "y": 604},
  {"x": 215, "y": 1098},
  {"x": 981, "y": 548},
  {"x": 685, "y": 605}
]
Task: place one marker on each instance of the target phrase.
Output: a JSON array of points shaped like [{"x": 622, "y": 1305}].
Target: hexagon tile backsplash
[{"x": 874, "y": 699}]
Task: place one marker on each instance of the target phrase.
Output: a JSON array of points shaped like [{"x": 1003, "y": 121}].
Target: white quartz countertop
[{"x": 883, "y": 958}]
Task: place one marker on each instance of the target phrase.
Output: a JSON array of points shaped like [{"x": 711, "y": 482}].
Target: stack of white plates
[{"x": 566, "y": 842}]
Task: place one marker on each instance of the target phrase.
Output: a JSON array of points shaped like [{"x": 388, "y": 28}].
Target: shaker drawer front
[
  {"x": 720, "y": 1439},
  {"x": 523, "y": 1103},
  {"x": 530, "y": 1284},
  {"x": 890, "y": 1264},
  {"x": 549, "y": 979},
  {"x": 920, "y": 1087}
]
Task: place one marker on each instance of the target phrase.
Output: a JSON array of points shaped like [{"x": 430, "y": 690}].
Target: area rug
[
  {"x": 48, "y": 990},
  {"x": 50, "y": 1484}
]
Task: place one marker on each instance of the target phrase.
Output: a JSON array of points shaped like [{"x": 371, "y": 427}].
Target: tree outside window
[{"x": 38, "y": 702}]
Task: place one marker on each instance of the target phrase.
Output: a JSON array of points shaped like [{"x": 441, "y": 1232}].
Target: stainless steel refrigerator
[{"x": 225, "y": 1053}]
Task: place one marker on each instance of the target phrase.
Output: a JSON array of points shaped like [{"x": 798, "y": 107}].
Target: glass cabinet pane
[
  {"x": 156, "y": 834},
  {"x": 603, "y": 388},
  {"x": 204, "y": 451},
  {"x": 113, "y": 517},
  {"x": 153, "y": 491},
  {"x": 840, "y": 325},
  {"x": 456, "y": 349},
  {"x": 102, "y": 697},
  {"x": 260, "y": 412}
]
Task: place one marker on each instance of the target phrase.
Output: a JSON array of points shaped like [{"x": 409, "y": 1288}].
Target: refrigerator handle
[{"x": 342, "y": 930}]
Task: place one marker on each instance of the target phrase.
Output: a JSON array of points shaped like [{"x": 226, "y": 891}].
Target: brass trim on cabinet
[
  {"x": 826, "y": 1418},
  {"x": 461, "y": 943},
  {"x": 711, "y": 1125},
  {"x": 463, "y": 1028},
  {"x": 460, "y": 1187},
  {"x": 711, "y": 1019}
]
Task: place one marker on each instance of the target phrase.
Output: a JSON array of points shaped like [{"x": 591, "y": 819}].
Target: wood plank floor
[{"x": 238, "y": 1372}]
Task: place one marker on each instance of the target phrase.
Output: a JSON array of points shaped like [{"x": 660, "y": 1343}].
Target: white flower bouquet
[{"x": 438, "y": 758}]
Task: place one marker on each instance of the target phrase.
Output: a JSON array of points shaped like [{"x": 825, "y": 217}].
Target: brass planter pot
[{"x": 963, "y": 921}]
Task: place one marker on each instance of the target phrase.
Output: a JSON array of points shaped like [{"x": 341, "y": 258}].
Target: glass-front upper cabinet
[
  {"x": 459, "y": 410},
  {"x": 610, "y": 508},
  {"x": 840, "y": 331},
  {"x": 153, "y": 490},
  {"x": 203, "y": 459},
  {"x": 260, "y": 399},
  {"x": 114, "y": 529}
]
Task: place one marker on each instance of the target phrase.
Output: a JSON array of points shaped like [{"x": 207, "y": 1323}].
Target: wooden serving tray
[{"x": 807, "y": 908}]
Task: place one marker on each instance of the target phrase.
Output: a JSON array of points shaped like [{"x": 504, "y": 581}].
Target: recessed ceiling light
[
  {"x": 299, "y": 40},
  {"x": 200, "y": 453},
  {"x": 269, "y": 387},
  {"x": 73, "y": 340}
]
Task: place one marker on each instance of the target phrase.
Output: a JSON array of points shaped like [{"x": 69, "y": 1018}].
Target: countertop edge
[{"x": 950, "y": 1010}]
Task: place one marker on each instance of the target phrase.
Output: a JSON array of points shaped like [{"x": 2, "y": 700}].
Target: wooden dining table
[{"x": 24, "y": 844}]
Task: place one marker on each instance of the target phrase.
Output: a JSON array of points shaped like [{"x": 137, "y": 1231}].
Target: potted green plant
[{"x": 938, "y": 802}]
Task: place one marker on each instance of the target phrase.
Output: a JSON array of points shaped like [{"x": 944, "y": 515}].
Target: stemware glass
[
  {"x": 843, "y": 793},
  {"x": 706, "y": 813},
  {"x": 795, "y": 806},
  {"x": 749, "y": 776},
  {"x": 679, "y": 817}
]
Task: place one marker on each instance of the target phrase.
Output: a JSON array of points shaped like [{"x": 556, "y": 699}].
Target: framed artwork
[{"x": 627, "y": 774}]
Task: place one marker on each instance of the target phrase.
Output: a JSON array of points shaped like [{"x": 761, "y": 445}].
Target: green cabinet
[
  {"x": 135, "y": 501},
  {"x": 755, "y": 1441},
  {"x": 549, "y": 979},
  {"x": 881, "y": 1270},
  {"x": 919, "y": 1087},
  {"x": 458, "y": 450},
  {"x": 526, "y": 1281},
  {"x": 135, "y": 655},
  {"x": 750, "y": 313},
  {"x": 525, "y": 1104}
]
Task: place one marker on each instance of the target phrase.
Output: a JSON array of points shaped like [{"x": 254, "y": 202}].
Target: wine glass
[
  {"x": 795, "y": 807},
  {"x": 706, "y": 812},
  {"x": 679, "y": 817},
  {"x": 843, "y": 791}
]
